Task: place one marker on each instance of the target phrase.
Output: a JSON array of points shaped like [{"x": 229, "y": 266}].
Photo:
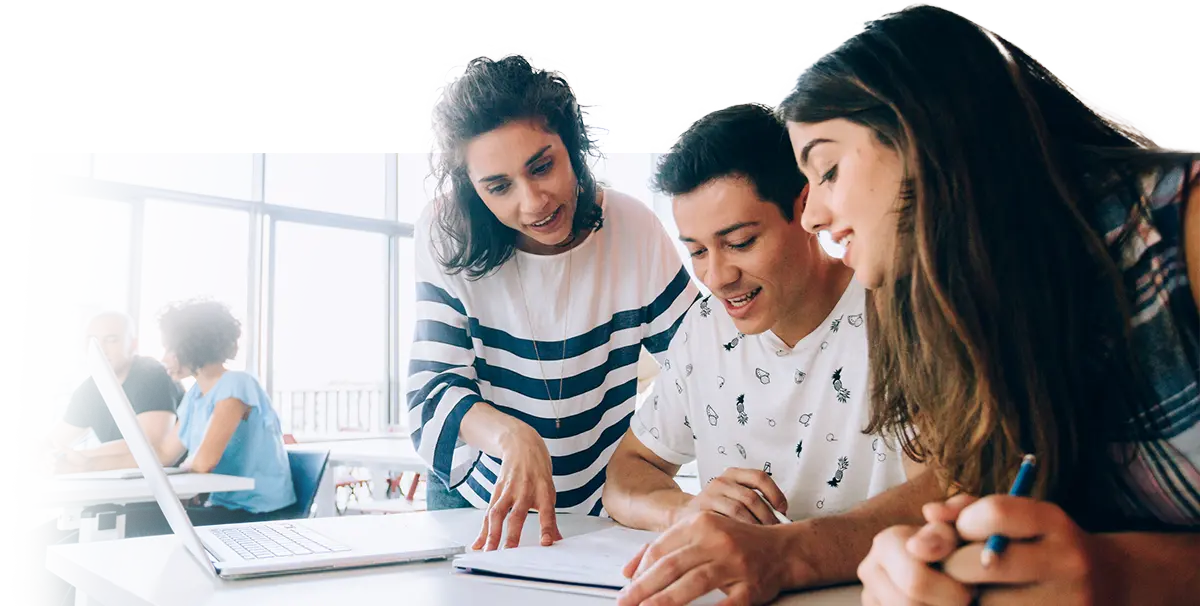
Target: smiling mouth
[
  {"x": 549, "y": 219},
  {"x": 745, "y": 299}
]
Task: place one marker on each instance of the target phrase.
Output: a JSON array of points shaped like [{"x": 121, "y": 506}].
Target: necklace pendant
[{"x": 558, "y": 423}]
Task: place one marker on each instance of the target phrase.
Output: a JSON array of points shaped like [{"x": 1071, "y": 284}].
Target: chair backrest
[{"x": 307, "y": 469}]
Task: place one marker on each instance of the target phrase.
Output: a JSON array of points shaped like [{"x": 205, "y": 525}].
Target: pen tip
[{"x": 1029, "y": 459}]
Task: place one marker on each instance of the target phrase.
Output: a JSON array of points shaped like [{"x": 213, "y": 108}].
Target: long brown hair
[{"x": 1004, "y": 329}]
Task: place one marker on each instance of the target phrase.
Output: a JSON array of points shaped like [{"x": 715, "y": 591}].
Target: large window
[
  {"x": 193, "y": 252},
  {"x": 312, "y": 253},
  {"x": 329, "y": 357},
  {"x": 80, "y": 265},
  {"x": 349, "y": 184},
  {"x": 220, "y": 175}
]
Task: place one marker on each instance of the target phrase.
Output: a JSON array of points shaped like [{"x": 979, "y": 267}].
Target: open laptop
[{"x": 234, "y": 551}]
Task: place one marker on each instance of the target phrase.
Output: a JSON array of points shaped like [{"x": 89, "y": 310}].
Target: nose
[
  {"x": 535, "y": 201},
  {"x": 816, "y": 215},
  {"x": 722, "y": 271}
]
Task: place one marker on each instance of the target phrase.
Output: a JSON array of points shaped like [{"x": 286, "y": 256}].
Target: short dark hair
[
  {"x": 746, "y": 141},
  {"x": 200, "y": 332},
  {"x": 489, "y": 95}
]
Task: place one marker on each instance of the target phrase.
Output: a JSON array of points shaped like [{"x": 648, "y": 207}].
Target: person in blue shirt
[{"x": 226, "y": 422}]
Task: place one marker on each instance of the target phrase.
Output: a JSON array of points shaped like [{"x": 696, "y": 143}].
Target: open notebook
[
  {"x": 587, "y": 564},
  {"x": 594, "y": 559}
]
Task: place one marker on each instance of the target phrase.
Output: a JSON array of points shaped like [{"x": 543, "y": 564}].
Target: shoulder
[
  {"x": 238, "y": 384},
  {"x": 705, "y": 325},
  {"x": 629, "y": 213},
  {"x": 148, "y": 368}
]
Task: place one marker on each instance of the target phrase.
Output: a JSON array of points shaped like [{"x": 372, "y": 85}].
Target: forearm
[
  {"x": 107, "y": 449},
  {"x": 829, "y": 549},
  {"x": 1147, "y": 568},
  {"x": 492, "y": 431},
  {"x": 639, "y": 495}
]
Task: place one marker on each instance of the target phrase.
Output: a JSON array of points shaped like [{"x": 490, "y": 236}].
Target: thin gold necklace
[{"x": 529, "y": 318}]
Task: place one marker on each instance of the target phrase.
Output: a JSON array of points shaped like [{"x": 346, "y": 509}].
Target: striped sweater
[{"x": 473, "y": 342}]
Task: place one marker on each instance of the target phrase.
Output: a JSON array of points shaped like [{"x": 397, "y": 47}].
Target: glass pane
[
  {"x": 407, "y": 318},
  {"x": 79, "y": 267},
  {"x": 330, "y": 353},
  {"x": 191, "y": 252},
  {"x": 415, "y": 186},
  {"x": 69, "y": 163},
  {"x": 222, "y": 175},
  {"x": 349, "y": 184}
]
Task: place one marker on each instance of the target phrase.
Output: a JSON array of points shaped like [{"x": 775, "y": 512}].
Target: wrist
[
  {"x": 798, "y": 567},
  {"x": 680, "y": 510},
  {"x": 515, "y": 436}
]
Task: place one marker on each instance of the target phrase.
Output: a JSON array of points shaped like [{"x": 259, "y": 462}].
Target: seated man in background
[
  {"x": 764, "y": 385},
  {"x": 154, "y": 396}
]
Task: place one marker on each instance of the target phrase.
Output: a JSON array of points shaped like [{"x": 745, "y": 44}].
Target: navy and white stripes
[{"x": 473, "y": 343}]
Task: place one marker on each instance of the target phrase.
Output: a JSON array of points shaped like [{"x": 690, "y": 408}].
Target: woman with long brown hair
[{"x": 1034, "y": 269}]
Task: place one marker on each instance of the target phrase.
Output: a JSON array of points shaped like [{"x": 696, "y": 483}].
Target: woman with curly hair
[{"x": 537, "y": 288}]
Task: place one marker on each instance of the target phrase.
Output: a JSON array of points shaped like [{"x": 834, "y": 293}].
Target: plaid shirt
[{"x": 1145, "y": 237}]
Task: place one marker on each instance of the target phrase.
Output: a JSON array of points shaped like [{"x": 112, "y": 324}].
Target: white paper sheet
[{"x": 594, "y": 559}]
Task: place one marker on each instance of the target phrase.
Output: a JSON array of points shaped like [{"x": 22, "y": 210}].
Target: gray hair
[{"x": 130, "y": 328}]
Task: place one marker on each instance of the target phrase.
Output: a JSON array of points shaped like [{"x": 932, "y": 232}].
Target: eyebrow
[
  {"x": 724, "y": 232},
  {"x": 808, "y": 148},
  {"x": 534, "y": 158}
]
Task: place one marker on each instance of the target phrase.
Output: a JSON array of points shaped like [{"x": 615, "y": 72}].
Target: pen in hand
[{"x": 1021, "y": 486}]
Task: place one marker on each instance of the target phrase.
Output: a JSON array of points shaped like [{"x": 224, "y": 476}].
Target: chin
[{"x": 751, "y": 326}]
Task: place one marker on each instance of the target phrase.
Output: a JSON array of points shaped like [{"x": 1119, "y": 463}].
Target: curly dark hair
[
  {"x": 489, "y": 95},
  {"x": 200, "y": 332}
]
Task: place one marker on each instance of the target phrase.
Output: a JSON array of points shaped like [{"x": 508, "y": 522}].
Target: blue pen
[{"x": 1020, "y": 488}]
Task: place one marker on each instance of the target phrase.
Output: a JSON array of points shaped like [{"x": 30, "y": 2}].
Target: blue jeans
[{"x": 438, "y": 496}]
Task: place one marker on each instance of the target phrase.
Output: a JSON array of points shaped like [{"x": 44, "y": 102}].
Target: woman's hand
[
  {"x": 901, "y": 566},
  {"x": 1049, "y": 559},
  {"x": 526, "y": 481}
]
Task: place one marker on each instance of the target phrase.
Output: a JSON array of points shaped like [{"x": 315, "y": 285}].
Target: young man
[
  {"x": 764, "y": 384},
  {"x": 154, "y": 396}
]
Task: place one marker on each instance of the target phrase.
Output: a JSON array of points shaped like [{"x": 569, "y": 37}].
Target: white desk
[
  {"x": 73, "y": 495},
  {"x": 155, "y": 571},
  {"x": 379, "y": 454}
]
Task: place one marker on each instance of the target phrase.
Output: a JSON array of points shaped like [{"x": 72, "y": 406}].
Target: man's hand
[
  {"x": 29, "y": 457},
  {"x": 749, "y": 562},
  {"x": 732, "y": 494},
  {"x": 71, "y": 462}
]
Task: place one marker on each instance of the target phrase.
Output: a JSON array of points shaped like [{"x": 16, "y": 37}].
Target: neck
[
  {"x": 825, "y": 288},
  {"x": 123, "y": 372},
  {"x": 534, "y": 247},
  {"x": 208, "y": 376}
]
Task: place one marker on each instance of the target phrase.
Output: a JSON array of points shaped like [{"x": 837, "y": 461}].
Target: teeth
[
  {"x": 547, "y": 220},
  {"x": 845, "y": 240},
  {"x": 745, "y": 299}
]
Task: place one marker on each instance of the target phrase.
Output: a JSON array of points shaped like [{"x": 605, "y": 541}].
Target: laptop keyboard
[{"x": 263, "y": 541}]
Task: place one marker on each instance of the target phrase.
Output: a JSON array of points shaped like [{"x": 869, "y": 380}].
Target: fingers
[
  {"x": 547, "y": 519},
  {"x": 949, "y": 510},
  {"x": 758, "y": 479},
  {"x": 632, "y": 565},
  {"x": 1021, "y": 563},
  {"x": 1014, "y": 517},
  {"x": 891, "y": 575},
  {"x": 516, "y": 522},
  {"x": 934, "y": 542},
  {"x": 664, "y": 573},
  {"x": 495, "y": 522}
]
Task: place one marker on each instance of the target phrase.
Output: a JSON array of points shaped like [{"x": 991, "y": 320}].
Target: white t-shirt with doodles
[{"x": 727, "y": 400}]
